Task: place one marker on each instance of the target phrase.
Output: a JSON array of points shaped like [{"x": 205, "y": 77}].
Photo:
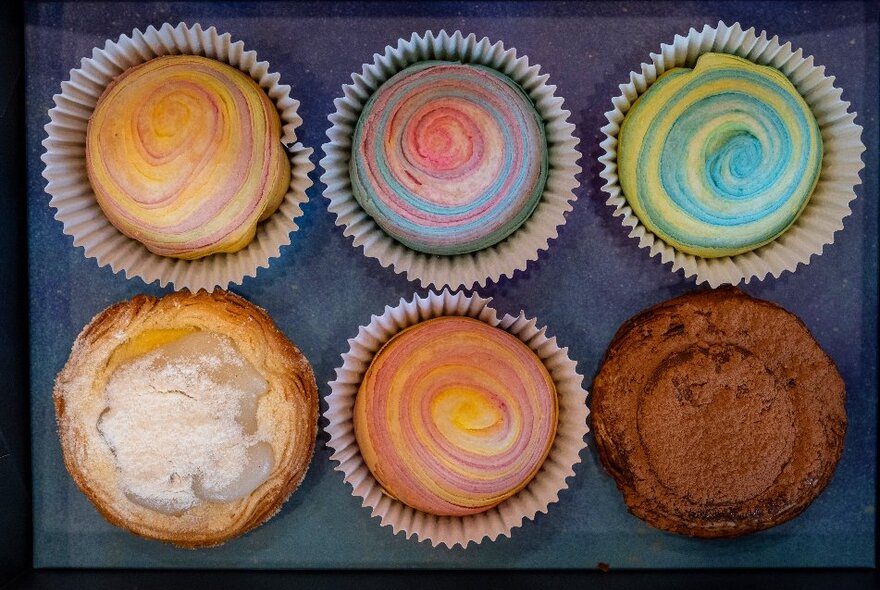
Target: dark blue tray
[{"x": 590, "y": 281}]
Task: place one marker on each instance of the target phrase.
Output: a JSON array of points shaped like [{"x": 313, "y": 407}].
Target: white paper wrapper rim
[
  {"x": 72, "y": 194},
  {"x": 830, "y": 201},
  {"x": 536, "y": 497},
  {"x": 488, "y": 264}
]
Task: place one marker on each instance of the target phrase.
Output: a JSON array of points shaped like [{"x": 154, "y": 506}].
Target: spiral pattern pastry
[
  {"x": 184, "y": 154},
  {"x": 721, "y": 159},
  {"x": 454, "y": 416},
  {"x": 449, "y": 158}
]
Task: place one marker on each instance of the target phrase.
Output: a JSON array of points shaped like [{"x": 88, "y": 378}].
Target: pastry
[
  {"x": 449, "y": 158},
  {"x": 455, "y": 416},
  {"x": 719, "y": 159},
  {"x": 718, "y": 414},
  {"x": 184, "y": 155},
  {"x": 188, "y": 419}
]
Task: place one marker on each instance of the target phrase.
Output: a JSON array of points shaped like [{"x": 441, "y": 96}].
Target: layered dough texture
[
  {"x": 449, "y": 158},
  {"x": 455, "y": 416},
  {"x": 188, "y": 419},
  {"x": 719, "y": 159},
  {"x": 184, "y": 154}
]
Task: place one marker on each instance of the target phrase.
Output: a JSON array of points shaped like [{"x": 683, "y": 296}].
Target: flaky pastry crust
[{"x": 287, "y": 413}]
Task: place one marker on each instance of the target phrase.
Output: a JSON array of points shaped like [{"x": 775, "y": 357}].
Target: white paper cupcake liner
[
  {"x": 542, "y": 491},
  {"x": 841, "y": 163},
  {"x": 72, "y": 194},
  {"x": 491, "y": 263}
]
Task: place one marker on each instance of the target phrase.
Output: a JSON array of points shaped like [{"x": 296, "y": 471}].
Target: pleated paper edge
[
  {"x": 490, "y": 264},
  {"x": 830, "y": 202},
  {"x": 71, "y": 193},
  {"x": 536, "y": 497}
]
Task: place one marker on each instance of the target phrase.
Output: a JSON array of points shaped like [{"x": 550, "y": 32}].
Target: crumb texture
[{"x": 718, "y": 414}]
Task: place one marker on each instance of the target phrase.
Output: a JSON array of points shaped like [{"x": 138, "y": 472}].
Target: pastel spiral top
[
  {"x": 449, "y": 158},
  {"x": 454, "y": 416},
  {"x": 184, "y": 154},
  {"x": 721, "y": 159}
]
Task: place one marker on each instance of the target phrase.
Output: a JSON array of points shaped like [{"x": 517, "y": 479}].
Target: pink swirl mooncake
[
  {"x": 449, "y": 158},
  {"x": 455, "y": 416}
]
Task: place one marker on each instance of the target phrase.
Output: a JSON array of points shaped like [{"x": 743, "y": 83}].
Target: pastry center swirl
[
  {"x": 443, "y": 141},
  {"x": 458, "y": 409},
  {"x": 707, "y": 403}
]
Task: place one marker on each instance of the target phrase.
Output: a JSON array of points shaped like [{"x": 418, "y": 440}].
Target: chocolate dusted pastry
[{"x": 718, "y": 414}]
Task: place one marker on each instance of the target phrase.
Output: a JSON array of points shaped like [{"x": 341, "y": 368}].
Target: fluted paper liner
[
  {"x": 72, "y": 194},
  {"x": 536, "y": 497},
  {"x": 841, "y": 163},
  {"x": 501, "y": 259}
]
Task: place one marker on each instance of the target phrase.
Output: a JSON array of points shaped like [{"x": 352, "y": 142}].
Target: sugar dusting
[{"x": 181, "y": 422}]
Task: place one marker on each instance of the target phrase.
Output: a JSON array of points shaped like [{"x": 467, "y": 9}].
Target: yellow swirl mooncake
[
  {"x": 189, "y": 419},
  {"x": 184, "y": 154},
  {"x": 455, "y": 416}
]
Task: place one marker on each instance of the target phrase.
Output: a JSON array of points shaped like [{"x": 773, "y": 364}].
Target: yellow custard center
[{"x": 467, "y": 409}]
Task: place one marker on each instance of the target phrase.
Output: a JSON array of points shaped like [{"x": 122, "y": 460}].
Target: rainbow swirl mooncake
[
  {"x": 184, "y": 154},
  {"x": 721, "y": 159},
  {"x": 455, "y": 416},
  {"x": 449, "y": 158}
]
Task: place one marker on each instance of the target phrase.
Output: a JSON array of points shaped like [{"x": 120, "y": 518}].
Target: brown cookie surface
[{"x": 718, "y": 414}]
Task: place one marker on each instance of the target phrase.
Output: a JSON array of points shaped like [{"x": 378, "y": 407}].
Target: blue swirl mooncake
[
  {"x": 719, "y": 159},
  {"x": 449, "y": 158}
]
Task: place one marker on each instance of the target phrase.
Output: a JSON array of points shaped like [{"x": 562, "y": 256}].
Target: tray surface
[{"x": 592, "y": 279}]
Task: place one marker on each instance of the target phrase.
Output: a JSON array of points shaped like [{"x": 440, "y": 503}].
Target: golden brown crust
[
  {"x": 289, "y": 410},
  {"x": 717, "y": 414}
]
